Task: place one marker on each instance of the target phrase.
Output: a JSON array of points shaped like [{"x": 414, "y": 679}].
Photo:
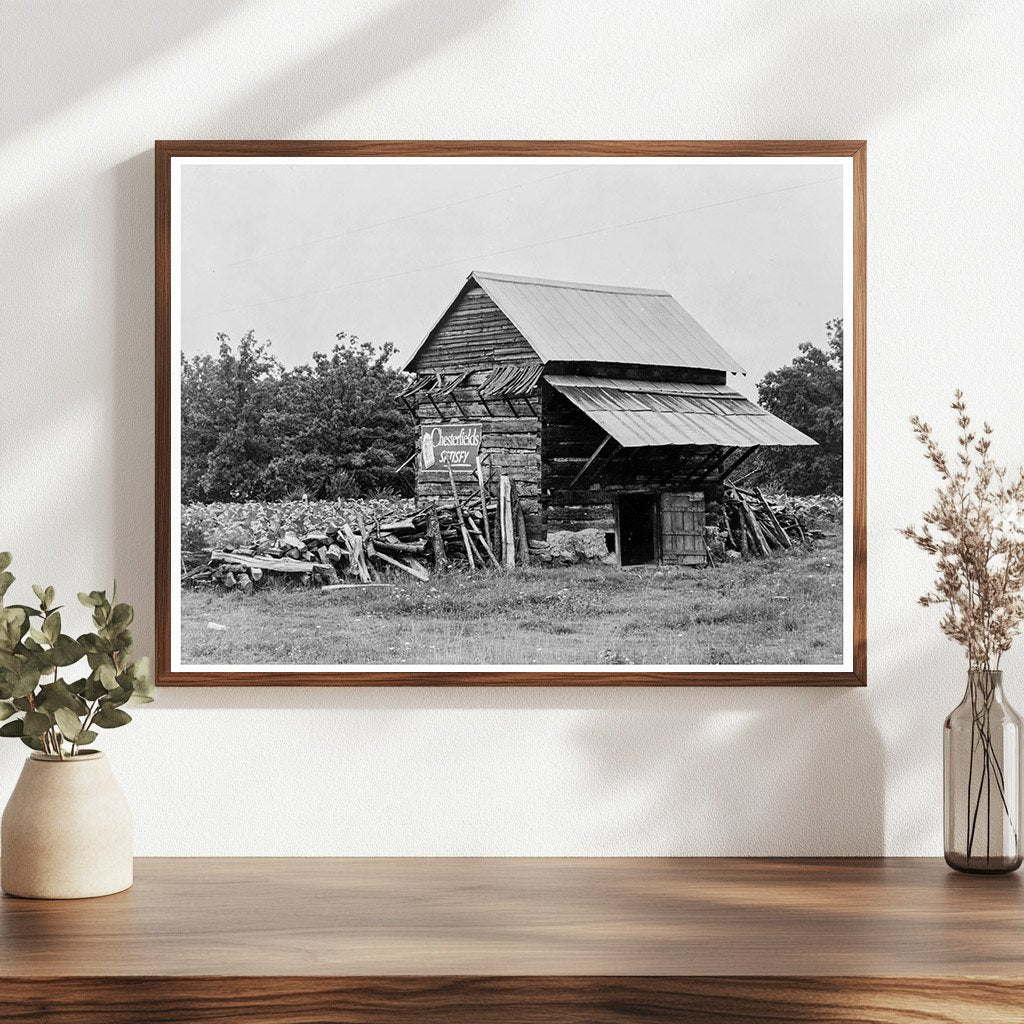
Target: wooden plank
[
  {"x": 416, "y": 570},
  {"x": 266, "y": 563},
  {"x": 508, "y": 540},
  {"x": 462, "y": 522},
  {"x": 522, "y": 544},
  {"x": 783, "y": 536}
]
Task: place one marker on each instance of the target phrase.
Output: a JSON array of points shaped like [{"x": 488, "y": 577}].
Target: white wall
[{"x": 936, "y": 88}]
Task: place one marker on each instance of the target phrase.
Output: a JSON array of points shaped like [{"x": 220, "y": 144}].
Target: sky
[{"x": 300, "y": 251}]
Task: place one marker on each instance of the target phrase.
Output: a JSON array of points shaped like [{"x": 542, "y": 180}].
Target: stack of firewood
[
  {"x": 753, "y": 524},
  {"x": 479, "y": 531}
]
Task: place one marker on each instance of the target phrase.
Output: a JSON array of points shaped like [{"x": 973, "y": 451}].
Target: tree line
[
  {"x": 252, "y": 429},
  {"x": 808, "y": 395},
  {"x": 335, "y": 427}
]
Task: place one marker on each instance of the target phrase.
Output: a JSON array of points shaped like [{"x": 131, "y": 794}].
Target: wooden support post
[
  {"x": 436, "y": 540},
  {"x": 508, "y": 541},
  {"x": 462, "y": 522},
  {"x": 483, "y": 500},
  {"x": 593, "y": 458},
  {"x": 739, "y": 462},
  {"x": 481, "y": 543},
  {"x": 519, "y": 525}
]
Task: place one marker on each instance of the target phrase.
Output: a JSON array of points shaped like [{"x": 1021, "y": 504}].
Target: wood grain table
[{"x": 502, "y": 941}]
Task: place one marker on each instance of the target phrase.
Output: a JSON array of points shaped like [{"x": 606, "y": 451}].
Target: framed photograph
[{"x": 510, "y": 413}]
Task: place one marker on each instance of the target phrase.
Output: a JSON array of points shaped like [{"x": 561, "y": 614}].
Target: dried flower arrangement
[{"x": 975, "y": 529}]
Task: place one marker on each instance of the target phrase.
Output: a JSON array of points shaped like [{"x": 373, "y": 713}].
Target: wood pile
[
  {"x": 478, "y": 531},
  {"x": 754, "y": 525}
]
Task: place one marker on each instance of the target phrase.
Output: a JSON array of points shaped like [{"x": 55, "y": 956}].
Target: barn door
[{"x": 682, "y": 529}]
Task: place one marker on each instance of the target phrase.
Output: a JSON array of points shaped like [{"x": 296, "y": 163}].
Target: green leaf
[
  {"x": 86, "y": 736},
  {"x": 28, "y": 610},
  {"x": 107, "y": 676},
  {"x": 36, "y": 723},
  {"x": 94, "y": 689},
  {"x": 66, "y": 651},
  {"x": 6, "y": 710},
  {"x": 13, "y": 728},
  {"x": 6, "y": 579},
  {"x": 40, "y": 593},
  {"x": 94, "y": 645},
  {"x": 51, "y": 626},
  {"x": 13, "y": 626},
  {"x": 31, "y": 741},
  {"x": 50, "y": 594},
  {"x": 69, "y": 724},
  {"x": 89, "y": 600},
  {"x": 27, "y": 681},
  {"x": 122, "y": 616},
  {"x": 38, "y": 635},
  {"x": 123, "y": 694},
  {"x": 59, "y": 695},
  {"x": 5, "y": 560},
  {"x": 108, "y": 718}
]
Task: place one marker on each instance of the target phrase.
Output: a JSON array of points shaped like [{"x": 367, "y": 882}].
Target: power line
[
  {"x": 518, "y": 248},
  {"x": 404, "y": 216}
]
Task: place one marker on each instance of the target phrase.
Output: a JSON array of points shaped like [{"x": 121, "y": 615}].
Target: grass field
[{"x": 783, "y": 610}]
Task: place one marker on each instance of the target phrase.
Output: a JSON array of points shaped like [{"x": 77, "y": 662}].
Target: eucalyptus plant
[{"x": 37, "y": 704}]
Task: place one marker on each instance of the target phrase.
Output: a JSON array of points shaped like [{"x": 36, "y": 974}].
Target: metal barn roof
[
  {"x": 642, "y": 413},
  {"x": 566, "y": 322}
]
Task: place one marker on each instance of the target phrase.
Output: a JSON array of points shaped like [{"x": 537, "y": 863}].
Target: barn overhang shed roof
[
  {"x": 568, "y": 322},
  {"x": 639, "y": 414}
]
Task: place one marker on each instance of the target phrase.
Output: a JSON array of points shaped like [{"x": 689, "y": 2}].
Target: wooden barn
[{"x": 609, "y": 407}]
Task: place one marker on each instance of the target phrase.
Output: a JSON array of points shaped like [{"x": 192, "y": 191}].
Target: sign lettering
[{"x": 454, "y": 446}]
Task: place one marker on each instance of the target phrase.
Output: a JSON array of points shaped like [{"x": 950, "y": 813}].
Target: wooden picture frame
[{"x": 852, "y": 673}]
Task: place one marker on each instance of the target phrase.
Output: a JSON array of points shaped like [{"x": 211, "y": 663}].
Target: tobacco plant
[{"x": 37, "y": 703}]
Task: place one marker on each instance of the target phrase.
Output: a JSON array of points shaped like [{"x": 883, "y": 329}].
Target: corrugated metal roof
[
  {"x": 599, "y": 323},
  {"x": 639, "y": 414},
  {"x": 568, "y": 322}
]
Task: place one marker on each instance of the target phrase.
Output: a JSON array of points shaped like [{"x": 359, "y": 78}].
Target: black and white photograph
[{"x": 563, "y": 414}]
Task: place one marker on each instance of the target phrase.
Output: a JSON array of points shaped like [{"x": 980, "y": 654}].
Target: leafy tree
[
  {"x": 224, "y": 401},
  {"x": 807, "y": 394},
  {"x": 338, "y": 426},
  {"x": 251, "y": 429}
]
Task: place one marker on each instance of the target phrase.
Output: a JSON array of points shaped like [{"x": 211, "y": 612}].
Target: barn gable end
[{"x": 475, "y": 333}]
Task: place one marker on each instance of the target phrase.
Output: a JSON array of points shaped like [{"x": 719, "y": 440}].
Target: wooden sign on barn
[{"x": 608, "y": 407}]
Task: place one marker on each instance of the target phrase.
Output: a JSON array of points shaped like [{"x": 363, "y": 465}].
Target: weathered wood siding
[
  {"x": 473, "y": 334},
  {"x": 510, "y": 438},
  {"x": 569, "y": 438}
]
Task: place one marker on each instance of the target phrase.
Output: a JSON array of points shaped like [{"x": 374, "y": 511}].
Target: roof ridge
[{"x": 575, "y": 285}]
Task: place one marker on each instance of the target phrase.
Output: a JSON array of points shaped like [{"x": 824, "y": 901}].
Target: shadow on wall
[
  {"x": 691, "y": 771},
  {"x": 845, "y": 90},
  {"x": 406, "y": 33},
  {"x": 748, "y": 772}
]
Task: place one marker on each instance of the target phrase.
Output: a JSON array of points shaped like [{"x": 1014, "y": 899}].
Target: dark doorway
[{"x": 638, "y": 529}]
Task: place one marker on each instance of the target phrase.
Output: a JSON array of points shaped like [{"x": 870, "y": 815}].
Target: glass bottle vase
[{"x": 981, "y": 771}]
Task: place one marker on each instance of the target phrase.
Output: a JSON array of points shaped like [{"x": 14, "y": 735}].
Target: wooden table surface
[{"x": 503, "y": 939}]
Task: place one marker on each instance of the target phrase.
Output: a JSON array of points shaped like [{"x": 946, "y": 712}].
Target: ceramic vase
[{"x": 66, "y": 831}]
